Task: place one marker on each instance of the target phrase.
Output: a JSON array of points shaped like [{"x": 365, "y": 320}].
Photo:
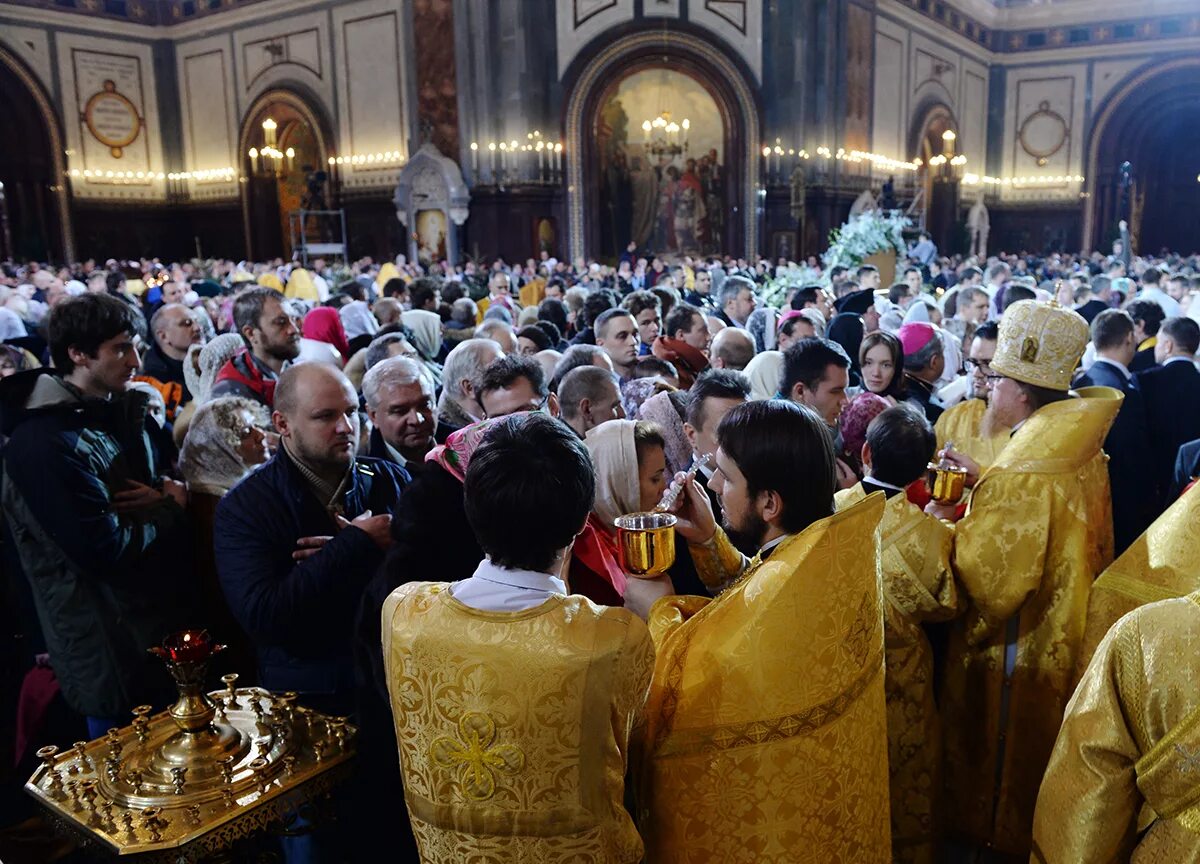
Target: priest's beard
[{"x": 748, "y": 533}]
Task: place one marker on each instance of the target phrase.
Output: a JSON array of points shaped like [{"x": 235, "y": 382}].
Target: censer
[{"x": 187, "y": 782}]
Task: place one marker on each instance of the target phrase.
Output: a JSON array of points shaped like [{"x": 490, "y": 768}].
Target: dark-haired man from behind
[
  {"x": 1172, "y": 396},
  {"x": 266, "y": 321},
  {"x": 914, "y": 556},
  {"x": 94, "y": 525},
  {"x": 760, "y": 657},
  {"x": 1148, "y": 317},
  {"x": 1130, "y": 460},
  {"x": 518, "y": 642}
]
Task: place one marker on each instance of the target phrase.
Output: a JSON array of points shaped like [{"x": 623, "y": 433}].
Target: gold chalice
[
  {"x": 646, "y": 543},
  {"x": 945, "y": 482}
]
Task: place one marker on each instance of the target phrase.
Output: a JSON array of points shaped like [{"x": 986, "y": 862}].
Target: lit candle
[
  {"x": 503, "y": 156},
  {"x": 254, "y": 159},
  {"x": 492, "y": 159},
  {"x": 475, "y": 159},
  {"x": 766, "y": 153},
  {"x": 291, "y": 157},
  {"x": 646, "y": 131}
]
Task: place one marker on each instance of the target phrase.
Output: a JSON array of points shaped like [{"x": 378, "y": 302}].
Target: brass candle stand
[{"x": 190, "y": 781}]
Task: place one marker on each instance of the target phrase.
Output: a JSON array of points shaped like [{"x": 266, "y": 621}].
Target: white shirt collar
[
  {"x": 880, "y": 483},
  {"x": 1172, "y": 359},
  {"x": 771, "y": 544},
  {"x": 523, "y": 579},
  {"x": 1121, "y": 367}
]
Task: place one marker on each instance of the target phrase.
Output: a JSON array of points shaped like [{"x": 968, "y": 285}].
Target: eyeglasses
[{"x": 984, "y": 366}]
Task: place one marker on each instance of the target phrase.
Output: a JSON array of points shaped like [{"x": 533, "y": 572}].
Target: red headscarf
[{"x": 323, "y": 324}]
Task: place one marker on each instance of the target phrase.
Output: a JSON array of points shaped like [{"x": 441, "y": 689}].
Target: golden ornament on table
[{"x": 190, "y": 781}]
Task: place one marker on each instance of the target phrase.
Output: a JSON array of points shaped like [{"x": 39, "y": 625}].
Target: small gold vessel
[
  {"x": 945, "y": 481},
  {"x": 646, "y": 543}
]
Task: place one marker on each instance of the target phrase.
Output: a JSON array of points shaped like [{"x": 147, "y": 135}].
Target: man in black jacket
[
  {"x": 1128, "y": 442},
  {"x": 297, "y": 540},
  {"x": 98, "y": 532},
  {"x": 1172, "y": 394},
  {"x": 173, "y": 329}
]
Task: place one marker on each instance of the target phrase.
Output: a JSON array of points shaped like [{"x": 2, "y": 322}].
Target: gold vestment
[
  {"x": 765, "y": 734},
  {"x": 1037, "y": 532},
  {"x": 1123, "y": 784},
  {"x": 918, "y": 584},
  {"x": 513, "y": 727},
  {"x": 1163, "y": 563},
  {"x": 962, "y": 425}
]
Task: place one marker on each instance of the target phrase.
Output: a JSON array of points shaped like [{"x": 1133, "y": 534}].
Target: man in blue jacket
[{"x": 297, "y": 540}]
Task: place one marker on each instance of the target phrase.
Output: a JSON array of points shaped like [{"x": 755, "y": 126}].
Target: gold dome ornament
[
  {"x": 189, "y": 782},
  {"x": 1040, "y": 343}
]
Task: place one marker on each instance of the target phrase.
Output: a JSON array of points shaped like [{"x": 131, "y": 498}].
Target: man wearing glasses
[
  {"x": 971, "y": 425},
  {"x": 1036, "y": 534}
]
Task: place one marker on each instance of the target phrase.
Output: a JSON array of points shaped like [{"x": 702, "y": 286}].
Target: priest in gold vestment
[
  {"x": 1123, "y": 783},
  {"x": 1163, "y": 563},
  {"x": 919, "y": 586},
  {"x": 513, "y": 701},
  {"x": 1037, "y": 532},
  {"x": 765, "y": 735},
  {"x": 970, "y": 425}
]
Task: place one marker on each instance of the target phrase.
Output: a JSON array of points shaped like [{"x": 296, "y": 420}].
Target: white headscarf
[
  {"x": 213, "y": 356},
  {"x": 209, "y": 459},
  {"x": 614, "y": 456},
  {"x": 426, "y": 330},
  {"x": 763, "y": 370},
  {"x": 11, "y": 325}
]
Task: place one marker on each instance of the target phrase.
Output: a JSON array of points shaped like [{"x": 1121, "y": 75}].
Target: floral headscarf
[
  {"x": 455, "y": 455},
  {"x": 209, "y": 459}
]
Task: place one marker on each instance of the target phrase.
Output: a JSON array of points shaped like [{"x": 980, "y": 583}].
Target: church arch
[
  {"x": 699, "y": 59},
  {"x": 35, "y": 168}
]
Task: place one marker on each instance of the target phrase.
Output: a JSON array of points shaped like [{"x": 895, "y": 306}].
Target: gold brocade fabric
[
  {"x": 513, "y": 727},
  {"x": 1123, "y": 784},
  {"x": 1038, "y": 531},
  {"x": 765, "y": 736},
  {"x": 914, "y": 557},
  {"x": 962, "y": 425},
  {"x": 1163, "y": 563}
]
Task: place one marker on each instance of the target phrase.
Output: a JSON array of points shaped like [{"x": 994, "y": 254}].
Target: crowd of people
[{"x": 393, "y": 489}]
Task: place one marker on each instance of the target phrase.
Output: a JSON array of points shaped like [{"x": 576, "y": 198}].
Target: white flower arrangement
[
  {"x": 774, "y": 291},
  {"x": 863, "y": 236}
]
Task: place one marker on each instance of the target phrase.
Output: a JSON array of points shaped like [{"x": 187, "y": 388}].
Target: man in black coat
[
  {"x": 1134, "y": 507},
  {"x": 1147, "y": 319},
  {"x": 1172, "y": 394},
  {"x": 297, "y": 541},
  {"x": 1187, "y": 469}
]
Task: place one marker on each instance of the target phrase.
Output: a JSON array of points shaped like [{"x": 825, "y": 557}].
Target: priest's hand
[
  {"x": 945, "y": 512},
  {"x": 696, "y": 524},
  {"x": 962, "y": 460},
  {"x": 641, "y": 594}
]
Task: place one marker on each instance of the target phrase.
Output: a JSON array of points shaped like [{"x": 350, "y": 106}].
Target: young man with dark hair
[
  {"x": 684, "y": 342},
  {"x": 425, "y": 293},
  {"x": 265, "y": 320},
  {"x": 514, "y": 383},
  {"x": 1172, "y": 396},
  {"x": 617, "y": 333},
  {"x": 816, "y": 373},
  {"x": 644, "y": 306},
  {"x": 759, "y": 661},
  {"x": 914, "y": 557},
  {"x": 518, "y": 642},
  {"x": 95, "y": 526},
  {"x": 1147, "y": 317}
]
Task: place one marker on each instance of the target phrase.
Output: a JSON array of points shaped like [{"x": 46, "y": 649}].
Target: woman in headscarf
[
  {"x": 270, "y": 280},
  {"x": 631, "y": 476},
  {"x": 225, "y": 441},
  {"x": 426, "y": 330},
  {"x": 764, "y": 371},
  {"x": 855, "y": 419},
  {"x": 667, "y": 410},
  {"x": 200, "y": 368},
  {"x": 323, "y": 324},
  {"x": 300, "y": 286},
  {"x": 14, "y": 359}
]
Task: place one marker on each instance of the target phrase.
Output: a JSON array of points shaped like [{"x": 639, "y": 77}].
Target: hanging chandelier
[
  {"x": 662, "y": 136},
  {"x": 270, "y": 160}
]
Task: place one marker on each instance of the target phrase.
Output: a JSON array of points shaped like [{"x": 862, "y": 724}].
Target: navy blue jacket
[
  {"x": 1172, "y": 394},
  {"x": 1187, "y": 467},
  {"x": 1129, "y": 458},
  {"x": 300, "y": 616}
]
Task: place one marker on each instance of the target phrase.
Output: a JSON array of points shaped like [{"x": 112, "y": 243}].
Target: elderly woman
[
  {"x": 225, "y": 441},
  {"x": 426, "y": 330},
  {"x": 200, "y": 368}
]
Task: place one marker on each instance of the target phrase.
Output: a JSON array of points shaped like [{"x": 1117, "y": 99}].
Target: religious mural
[{"x": 662, "y": 187}]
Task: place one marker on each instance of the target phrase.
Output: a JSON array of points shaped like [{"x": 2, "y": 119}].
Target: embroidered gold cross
[
  {"x": 1189, "y": 762},
  {"x": 477, "y": 760}
]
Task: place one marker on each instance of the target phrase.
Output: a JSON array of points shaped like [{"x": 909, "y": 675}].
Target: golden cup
[
  {"x": 945, "y": 482},
  {"x": 646, "y": 543}
]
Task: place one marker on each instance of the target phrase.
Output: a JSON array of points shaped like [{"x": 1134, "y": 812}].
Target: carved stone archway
[{"x": 699, "y": 58}]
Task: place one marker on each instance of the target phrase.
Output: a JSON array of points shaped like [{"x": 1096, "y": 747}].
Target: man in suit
[
  {"x": 1172, "y": 396},
  {"x": 1092, "y": 298},
  {"x": 1147, "y": 318},
  {"x": 1187, "y": 469},
  {"x": 1128, "y": 441}
]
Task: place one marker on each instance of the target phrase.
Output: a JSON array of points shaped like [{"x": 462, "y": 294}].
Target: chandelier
[
  {"x": 662, "y": 136},
  {"x": 269, "y": 160}
]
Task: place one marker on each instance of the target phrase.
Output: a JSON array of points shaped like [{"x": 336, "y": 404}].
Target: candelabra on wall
[{"x": 511, "y": 163}]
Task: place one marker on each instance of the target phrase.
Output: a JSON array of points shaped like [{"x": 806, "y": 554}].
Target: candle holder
[{"x": 189, "y": 782}]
